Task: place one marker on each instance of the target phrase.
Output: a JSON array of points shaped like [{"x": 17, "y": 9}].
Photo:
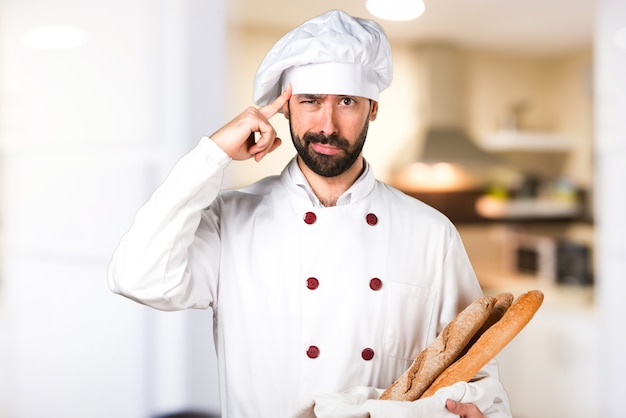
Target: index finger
[{"x": 273, "y": 108}]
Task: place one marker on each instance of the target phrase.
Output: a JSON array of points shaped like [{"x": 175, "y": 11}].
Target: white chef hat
[{"x": 330, "y": 54}]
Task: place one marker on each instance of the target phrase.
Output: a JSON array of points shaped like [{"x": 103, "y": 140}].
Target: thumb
[
  {"x": 452, "y": 405},
  {"x": 464, "y": 410}
]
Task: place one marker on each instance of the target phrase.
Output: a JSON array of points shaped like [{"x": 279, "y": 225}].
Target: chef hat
[{"x": 330, "y": 54}]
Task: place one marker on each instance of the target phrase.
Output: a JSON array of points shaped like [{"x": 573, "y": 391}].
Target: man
[{"x": 325, "y": 283}]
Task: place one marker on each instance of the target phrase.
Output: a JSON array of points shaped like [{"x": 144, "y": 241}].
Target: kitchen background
[{"x": 515, "y": 134}]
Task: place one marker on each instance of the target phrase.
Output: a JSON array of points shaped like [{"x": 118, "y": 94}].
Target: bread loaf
[
  {"x": 503, "y": 303},
  {"x": 441, "y": 352},
  {"x": 490, "y": 342}
]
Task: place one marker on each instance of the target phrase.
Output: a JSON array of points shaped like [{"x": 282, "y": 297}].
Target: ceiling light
[
  {"x": 396, "y": 9},
  {"x": 55, "y": 37}
]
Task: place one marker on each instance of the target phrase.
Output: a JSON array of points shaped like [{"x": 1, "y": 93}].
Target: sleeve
[{"x": 155, "y": 262}]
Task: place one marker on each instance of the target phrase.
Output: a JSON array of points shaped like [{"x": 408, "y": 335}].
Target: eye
[
  {"x": 348, "y": 101},
  {"x": 309, "y": 102},
  {"x": 308, "y": 99}
]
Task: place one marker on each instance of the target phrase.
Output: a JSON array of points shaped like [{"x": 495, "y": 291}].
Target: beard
[{"x": 329, "y": 165}]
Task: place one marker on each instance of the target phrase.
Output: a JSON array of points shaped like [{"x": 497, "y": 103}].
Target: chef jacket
[{"x": 307, "y": 299}]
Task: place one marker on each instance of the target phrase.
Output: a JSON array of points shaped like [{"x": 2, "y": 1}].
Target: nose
[{"x": 328, "y": 125}]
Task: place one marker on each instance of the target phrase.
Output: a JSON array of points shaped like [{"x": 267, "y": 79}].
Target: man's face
[{"x": 329, "y": 131}]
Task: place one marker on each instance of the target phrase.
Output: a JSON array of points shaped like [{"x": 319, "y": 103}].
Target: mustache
[{"x": 332, "y": 139}]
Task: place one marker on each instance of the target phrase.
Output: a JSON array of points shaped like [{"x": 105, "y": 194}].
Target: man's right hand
[{"x": 237, "y": 137}]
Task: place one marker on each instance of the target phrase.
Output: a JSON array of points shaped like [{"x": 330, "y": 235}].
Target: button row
[
  {"x": 312, "y": 283},
  {"x": 313, "y": 352},
  {"x": 310, "y": 218}
]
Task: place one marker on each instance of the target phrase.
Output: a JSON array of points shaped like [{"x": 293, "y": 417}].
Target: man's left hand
[{"x": 464, "y": 410}]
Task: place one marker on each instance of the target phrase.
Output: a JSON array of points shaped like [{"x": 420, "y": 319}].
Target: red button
[
  {"x": 376, "y": 284},
  {"x": 312, "y": 283},
  {"x": 313, "y": 352},
  {"x": 367, "y": 354},
  {"x": 371, "y": 219},
  {"x": 310, "y": 218}
]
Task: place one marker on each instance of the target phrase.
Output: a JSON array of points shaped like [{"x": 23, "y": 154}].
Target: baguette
[
  {"x": 441, "y": 352},
  {"x": 503, "y": 303},
  {"x": 490, "y": 342}
]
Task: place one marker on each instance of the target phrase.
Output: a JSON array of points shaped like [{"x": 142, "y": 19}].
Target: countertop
[{"x": 561, "y": 296}]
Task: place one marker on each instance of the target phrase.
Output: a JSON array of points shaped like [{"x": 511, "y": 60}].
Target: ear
[
  {"x": 373, "y": 110},
  {"x": 286, "y": 109}
]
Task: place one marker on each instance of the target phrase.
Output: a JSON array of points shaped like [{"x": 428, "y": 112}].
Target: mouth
[{"x": 325, "y": 149}]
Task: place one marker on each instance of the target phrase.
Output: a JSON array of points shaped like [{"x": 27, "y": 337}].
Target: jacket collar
[{"x": 293, "y": 176}]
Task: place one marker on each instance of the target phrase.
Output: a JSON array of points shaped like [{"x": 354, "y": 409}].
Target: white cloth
[
  {"x": 329, "y": 54},
  {"x": 362, "y": 402},
  {"x": 249, "y": 254}
]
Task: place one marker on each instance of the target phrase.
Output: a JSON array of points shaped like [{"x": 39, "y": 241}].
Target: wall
[
  {"x": 610, "y": 169},
  {"x": 85, "y": 136}
]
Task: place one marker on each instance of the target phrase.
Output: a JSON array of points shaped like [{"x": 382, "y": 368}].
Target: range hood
[
  {"x": 442, "y": 91},
  {"x": 442, "y": 94},
  {"x": 451, "y": 170},
  {"x": 441, "y": 87},
  {"x": 444, "y": 138}
]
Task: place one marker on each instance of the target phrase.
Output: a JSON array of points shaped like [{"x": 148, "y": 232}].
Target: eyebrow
[{"x": 312, "y": 96}]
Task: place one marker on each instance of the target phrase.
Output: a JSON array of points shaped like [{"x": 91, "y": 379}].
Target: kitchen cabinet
[
  {"x": 527, "y": 209},
  {"x": 473, "y": 207},
  {"x": 526, "y": 141}
]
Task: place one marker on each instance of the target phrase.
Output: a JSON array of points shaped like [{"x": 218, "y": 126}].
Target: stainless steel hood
[
  {"x": 454, "y": 146},
  {"x": 442, "y": 102},
  {"x": 442, "y": 91},
  {"x": 441, "y": 86}
]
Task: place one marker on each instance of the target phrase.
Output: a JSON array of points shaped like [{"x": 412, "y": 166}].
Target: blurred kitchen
[{"x": 506, "y": 116}]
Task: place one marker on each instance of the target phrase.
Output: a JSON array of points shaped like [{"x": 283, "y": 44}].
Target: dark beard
[{"x": 329, "y": 165}]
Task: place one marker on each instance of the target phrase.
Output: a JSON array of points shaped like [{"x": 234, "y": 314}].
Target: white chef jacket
[{"x": 307, "y": 299}]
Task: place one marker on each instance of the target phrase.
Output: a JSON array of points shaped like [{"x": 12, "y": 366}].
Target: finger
[
  {"x": 260, "y": 155},
  {"x": 451, "y": 405},
  {"x": 273, "y": 108},
  {"x": 265, "y": 143},
  {"x": 266, "y": 137},
  {"x": 464, "y": 410},
  {"x": 251, "y": 141},
  {"x": 264, "y": 127}
]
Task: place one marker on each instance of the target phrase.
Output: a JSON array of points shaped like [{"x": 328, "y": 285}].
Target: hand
[
  {"x": 464, "y": 410},
  {"x": 237, "y": 138}
]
